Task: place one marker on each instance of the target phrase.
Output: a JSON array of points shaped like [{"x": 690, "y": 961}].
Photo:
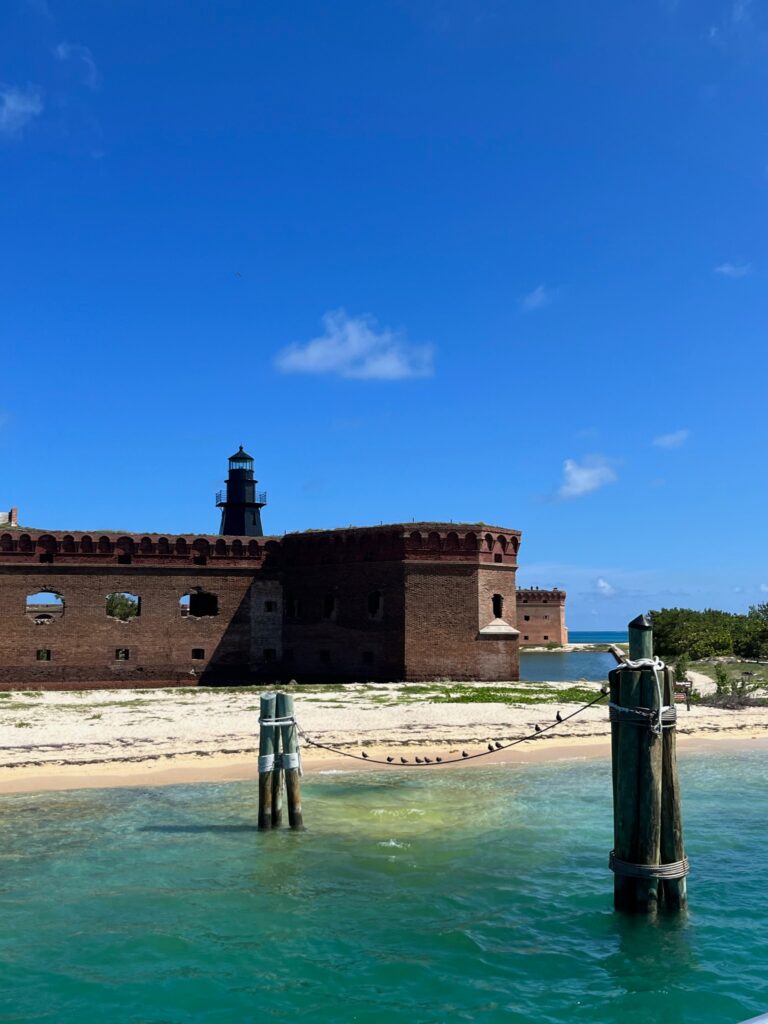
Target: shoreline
[{"x": 217, "y": 767}]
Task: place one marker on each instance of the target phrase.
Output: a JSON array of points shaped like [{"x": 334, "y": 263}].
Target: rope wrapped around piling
[
  {"x": 677, "y": 869},
  {"x": 653, "y": 717}
]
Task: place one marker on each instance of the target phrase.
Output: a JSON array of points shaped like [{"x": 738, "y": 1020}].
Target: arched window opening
[
  {"x": 489, "y": 541},
  {"x": 6, "y": 542},
  {"x": 375, "y": 605},
  {"x": 330, "y": 606},
  {"x": 86, "y": 545},
  {"x": 104, "y": 546},
  {"x": 45, "y": 606},
  {"x": 498, "y": 606},
  {"x": 68, "y": 544},
  {"x": 199, "y": 604},
  {"x": 123, "y": 606}
]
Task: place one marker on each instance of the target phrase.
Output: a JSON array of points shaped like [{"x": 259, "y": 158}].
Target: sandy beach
[{"x": 62, "y": 740}]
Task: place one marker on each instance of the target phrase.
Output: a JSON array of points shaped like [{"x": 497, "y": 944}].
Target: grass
[
  {"x": 707, "y": 668},
  {"x": 516, "y": 695}
]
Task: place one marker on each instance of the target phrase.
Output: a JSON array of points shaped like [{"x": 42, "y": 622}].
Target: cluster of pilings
[
  {"x": 279, "y": 760},
  {"x": 648, "y": 858}
]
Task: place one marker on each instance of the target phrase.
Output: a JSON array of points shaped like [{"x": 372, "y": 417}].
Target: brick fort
[{"x": 407, "y": 601}]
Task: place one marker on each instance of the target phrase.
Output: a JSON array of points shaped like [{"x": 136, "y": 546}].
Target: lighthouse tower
[{"x": 241, "y": 504}]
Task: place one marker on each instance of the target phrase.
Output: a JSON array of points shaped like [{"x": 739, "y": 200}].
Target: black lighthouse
[{"x": 241, "y": 504}]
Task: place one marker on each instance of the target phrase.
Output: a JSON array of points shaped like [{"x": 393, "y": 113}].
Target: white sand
[{"x": 112, "y": 736}]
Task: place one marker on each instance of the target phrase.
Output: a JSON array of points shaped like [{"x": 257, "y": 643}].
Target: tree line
[{"x": 711, "y": 633}]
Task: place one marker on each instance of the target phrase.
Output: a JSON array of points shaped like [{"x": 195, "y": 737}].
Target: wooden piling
[
  {"x": 266, "y": 758},
  {"x": 648, "y": 831},
  {"x": 290, "y": 744},
  {"x": 637, "y": 751},
  {"x": 277, "y": 779},
  {"x": 675, "y": 890}
]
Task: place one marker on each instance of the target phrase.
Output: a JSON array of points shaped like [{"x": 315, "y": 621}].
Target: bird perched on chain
[
  {"x": 365, "y": 755},
  {"x": 419, "y": 760},
  {"x": 439, "y": 760},
  {"x": 558, "y": 717},
  {"x": 390, "y": 760},
  {"x": 427, "y": 760},
  {"x": 464, "y": 753},
  {"x": 403, "y": 760},
  {"x": 491, "y": 747},
  {"x": 498, "y": 745},
  {"x": 537, "y": 727}
]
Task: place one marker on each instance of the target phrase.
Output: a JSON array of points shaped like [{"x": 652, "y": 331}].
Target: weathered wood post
[
  {"x": 266, "y": 757},
  {"x": 672, "y": 846},
  {"x": 291, "y": 761},
  {"x": 277, "y": 779},
  {"x": 648, "y": 859}
]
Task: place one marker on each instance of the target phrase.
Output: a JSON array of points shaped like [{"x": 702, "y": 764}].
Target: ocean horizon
[{"x": 598, "y": 636}]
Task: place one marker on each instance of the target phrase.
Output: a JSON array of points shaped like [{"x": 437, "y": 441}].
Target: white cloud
[
  {"x": 764, "y": 588},
  {"x": 540, "y": 297},
  {"x": 590, "y": 474},
  {"x": 674, "y": 440},
  {"x": 741, "y": 11},
  {"x": 356, "y": 348},
  {"x": 733, "y": 269},
  {"x": 18, "y": 107},
  {"x": 81, "y": 54},
  {"x": 604, "y": 587}
]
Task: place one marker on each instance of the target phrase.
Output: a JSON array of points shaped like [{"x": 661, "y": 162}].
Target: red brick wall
[
  {"x": 446, "y": 606},
  {"x": 436, "y": 583}
]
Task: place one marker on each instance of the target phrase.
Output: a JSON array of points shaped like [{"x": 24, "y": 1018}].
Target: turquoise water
[
  {"x": 563, "y": 666},
  {"x": 576, "y": 636},
  {"x": 477, "y": 895}
]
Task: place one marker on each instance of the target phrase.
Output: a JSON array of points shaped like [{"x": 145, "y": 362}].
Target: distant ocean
[{"x": 599, "y": 636}]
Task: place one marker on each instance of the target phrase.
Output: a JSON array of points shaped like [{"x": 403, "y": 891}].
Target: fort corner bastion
[{"x": 405, "y": 601}]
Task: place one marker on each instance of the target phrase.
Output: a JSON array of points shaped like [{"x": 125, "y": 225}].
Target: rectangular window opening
[
  {"x": 270, "y": 606},
  {"x": 122, "y": 654},
  {"x": 198, "y": 654},
  {"x": 270, "y": 654},
  {"x": 325, "y": 657},
  {"x": 43, "y": 654}
]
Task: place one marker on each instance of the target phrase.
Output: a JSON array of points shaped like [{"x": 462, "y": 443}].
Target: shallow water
[
  {"x": 564, "y": 666},
  {"x": 476, "y": 895}
]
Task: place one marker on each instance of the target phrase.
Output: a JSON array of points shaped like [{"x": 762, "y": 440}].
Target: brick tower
[{"x": 241, "y": 504}]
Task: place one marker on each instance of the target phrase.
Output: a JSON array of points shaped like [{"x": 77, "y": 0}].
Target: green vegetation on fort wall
[{"x": 711, "y": 633}]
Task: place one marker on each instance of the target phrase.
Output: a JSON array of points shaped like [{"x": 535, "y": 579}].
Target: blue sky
[{"x": 426, "y": 260}]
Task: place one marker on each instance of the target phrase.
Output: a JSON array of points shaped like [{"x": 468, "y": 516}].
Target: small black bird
[
  {"x": 464, "y": 753},
  {"x": 498, "y": 745},
  {"x": 537, "y": 727},
  {"x": 558, "y": 717},
  {"x": 390, "y": 760},
  {"x": 364, "y": 754},
  {"x": 419, "y": 761},
  {"x": 427, "y": 760},
  {"x": 490, "y": 747},
  {"x": 439, "y": 760},
  {"x": 604, "y": 690},
  {"x": 403, "y": 760}
]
